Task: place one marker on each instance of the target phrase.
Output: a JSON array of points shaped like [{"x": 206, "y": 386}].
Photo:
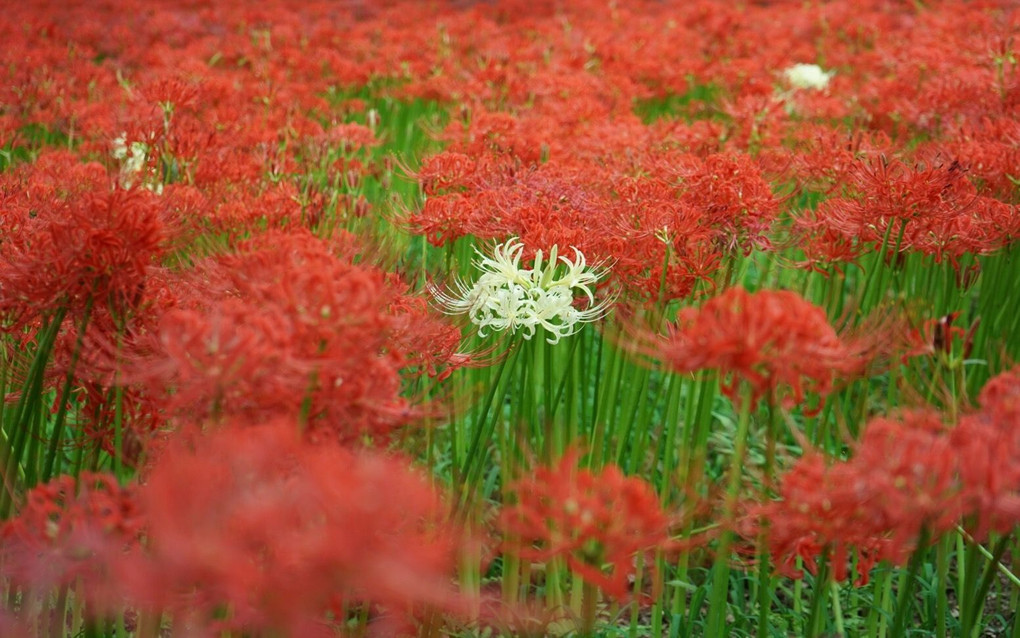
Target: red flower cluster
[
  {"x": 72, "y": 240},
  {"x": 987, "y": 444},
  {"x": 289, "y": 325},
  {"x": 69, "y": 530},
  {"x": 901, "y": 480},
  {"x": 593, "y": 520},
  {"x": 906, "y": 476},
  {"x": 767, "y": 340},
  {"x": 281, "y": 532},
  {"x": 934, "y": 210},
  {"x": 662, "y": 220},
  {"x": 245, "y": 529}
]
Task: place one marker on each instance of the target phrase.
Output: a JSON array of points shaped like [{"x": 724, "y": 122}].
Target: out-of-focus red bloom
[
  {"x": 768, "y": 339},
  {"x": 1000, "y": 399},
  {"x": 902, "y": 479},
  {"x": 593, "y": 520},
  {"x": 816, "y": 516},
  {"x": 909, "y": 466},
  {"x": 70, "y": 530},
  {"x": 988, "y": 445},
  {"x": 279, "y": 533}
]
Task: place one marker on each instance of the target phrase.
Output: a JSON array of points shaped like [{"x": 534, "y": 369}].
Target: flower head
[
  {"x": 901, "y": 481},
  {"x": 77, "y": 245},
  {"x": 70, "y": 530},
  {"x": 597, "y": 521},
  {"x": 509, "y": 297},
  {"x": 768, "y": 339},
  {"x": 288, "y": 323},
  {"x": 286, "y": 533},
  {"x": 807, "y": 76}
]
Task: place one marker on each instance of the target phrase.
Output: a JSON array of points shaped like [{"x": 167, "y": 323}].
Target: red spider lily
[
  {"x": 990, "y": 149},
  {"x": 767, "y": 340},
  {"x": 1000, "y": 398},
  {"x": 988, "y": 444},
  {"x": 815, "y": 518},
  {"x": 662, "y": 219},
  {"x": 281, "y": 532},
  {"x": 72, "y": 530},
  {"x": 92, "y": 245},
  {"x": 902, "y": 480},
  {"x": 593, "y": 520},
  {"x": 286, "y": 327},
  {"x": 823, "y": 157},
  {"x": 85, "y": 251},
  {"x": 734, "y": 199},
  {"x": 934, "y": 210},
  {"x": 910, "y": 467}
]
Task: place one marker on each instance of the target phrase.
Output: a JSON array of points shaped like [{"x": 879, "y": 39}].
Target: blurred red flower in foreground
[
  {"x": 280, "y": 532},
  {"x": 245, "y": 529},
  {"x": 988, "y": 446},
  {"x": 592, "y": 520},
  {"x": 70, "y": 530}
]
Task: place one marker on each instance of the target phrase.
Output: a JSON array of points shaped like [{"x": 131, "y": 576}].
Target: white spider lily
[
  {"x": 807, "y": 76},
  {"x": 508, "y": 297},
  {"x": 132, "y": 160}
]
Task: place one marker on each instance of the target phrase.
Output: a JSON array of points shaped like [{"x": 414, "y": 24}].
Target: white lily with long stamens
[{"x": 508, "y": 297}]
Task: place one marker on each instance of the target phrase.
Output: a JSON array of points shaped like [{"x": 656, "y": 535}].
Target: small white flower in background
[
  {"x": 132, "y": 161},
  {"x": 132, "y": 157},
  {"x": 807, "y": 76},
  {"x": 508, "y": 297}
]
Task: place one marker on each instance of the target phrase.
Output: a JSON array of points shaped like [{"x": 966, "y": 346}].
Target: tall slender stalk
[{"x": 721, "y": 568}]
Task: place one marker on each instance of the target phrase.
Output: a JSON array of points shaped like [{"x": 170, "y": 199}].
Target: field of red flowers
[{"x": 547, "y": 318}]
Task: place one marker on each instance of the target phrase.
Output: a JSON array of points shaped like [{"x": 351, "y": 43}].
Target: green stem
[
  {"x": 817, "y": 596},
  {"x": 721, "y": 568},
  {"x": 28, "y": 409},
  {"x": 973, "y": 607},
  {"x": 837, "y": 608},
  {"x": 589, "y": 606},
  {"x": 483, "y": 428},
  {"x": 942, "y": 587},
  {"x": 907, "y": 586},
  {"x": 65, "y": 396}
]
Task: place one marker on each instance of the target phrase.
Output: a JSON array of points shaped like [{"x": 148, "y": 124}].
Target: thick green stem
[
  {"x": 65, "y": 397},
  {"x": 28, "y": 410}
]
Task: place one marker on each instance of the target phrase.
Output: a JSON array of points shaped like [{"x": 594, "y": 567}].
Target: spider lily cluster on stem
[{"x": 509, "y": 297}]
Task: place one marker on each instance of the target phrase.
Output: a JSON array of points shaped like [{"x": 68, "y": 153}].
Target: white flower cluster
[
  {"x": 132, "y": 158},
  {"x": 508, "y": 297},
  {"x": 807, "y": 76}
]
